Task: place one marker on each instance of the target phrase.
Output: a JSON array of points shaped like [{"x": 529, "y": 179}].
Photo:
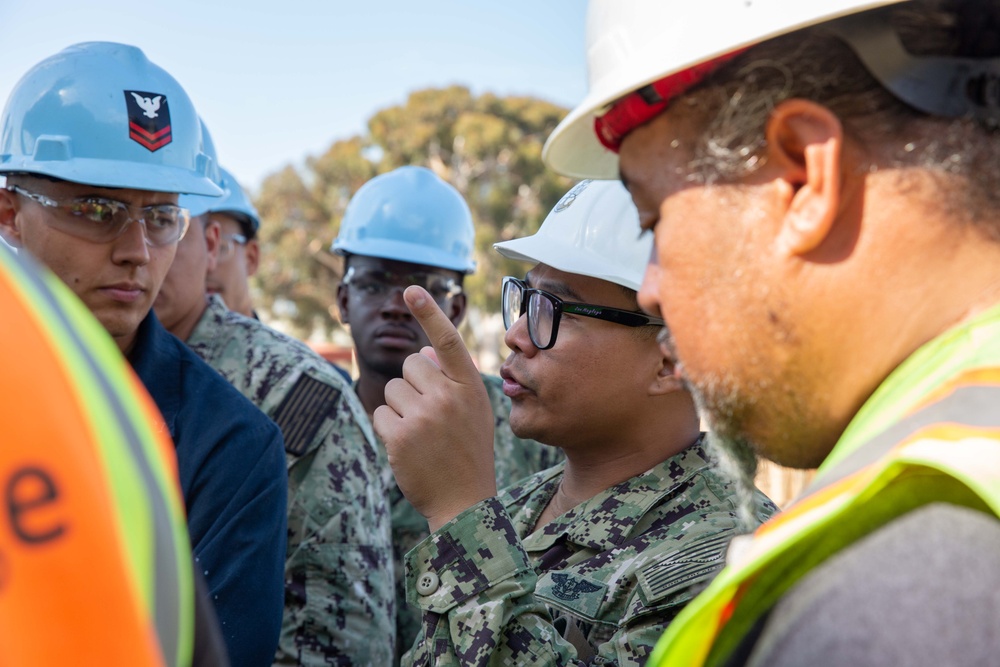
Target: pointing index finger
[{"x": 452, "y": 355}]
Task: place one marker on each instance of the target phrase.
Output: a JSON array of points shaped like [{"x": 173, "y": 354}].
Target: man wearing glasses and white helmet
[{"x": 587, "y": 562}]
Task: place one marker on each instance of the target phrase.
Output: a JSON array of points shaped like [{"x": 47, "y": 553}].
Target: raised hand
[{"x": 437, "y": 423}]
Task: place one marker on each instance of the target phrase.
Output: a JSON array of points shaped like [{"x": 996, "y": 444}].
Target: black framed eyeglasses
[
  {"x": 100, "y": 220},
  {"x": 544, "y": 311}
]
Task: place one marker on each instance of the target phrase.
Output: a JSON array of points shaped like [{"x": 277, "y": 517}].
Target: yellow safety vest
[
  {"x": 945, "y": 448},
  {"x": 95, "y": 563}
]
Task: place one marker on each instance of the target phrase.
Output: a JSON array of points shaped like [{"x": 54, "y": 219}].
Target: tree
[{"x": 488, "y": 147}]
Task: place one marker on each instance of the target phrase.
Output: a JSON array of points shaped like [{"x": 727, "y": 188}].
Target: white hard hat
[
  {"x": 632, "y": 43},
  {"x": 584, "y": 235}
]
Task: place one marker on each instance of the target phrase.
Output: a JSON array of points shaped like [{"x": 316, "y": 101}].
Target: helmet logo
[
  {"x": 571, "y": 196},
  {"x": 148, "y": 106},
  {"x": 148, "y": 119}
]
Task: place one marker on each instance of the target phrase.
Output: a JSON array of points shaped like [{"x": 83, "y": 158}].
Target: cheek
[{"x": 160, "y": 260}]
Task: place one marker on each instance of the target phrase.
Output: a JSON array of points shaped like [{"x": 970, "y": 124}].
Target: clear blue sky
[{"x": 279, "y": 80}]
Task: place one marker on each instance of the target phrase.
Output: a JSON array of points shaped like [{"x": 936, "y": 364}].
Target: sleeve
[
  {"x": 339, "y": 584},
  {"x": 237, "y": 520}
]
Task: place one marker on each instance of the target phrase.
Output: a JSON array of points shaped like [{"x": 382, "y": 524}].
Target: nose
[
  {"x": 132, "y": 247},
  {"x": 393, "y": 304},
  {"x": 516, "y": 338}
]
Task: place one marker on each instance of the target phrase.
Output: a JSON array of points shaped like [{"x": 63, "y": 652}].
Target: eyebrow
[{"x": 554, "y": 287}]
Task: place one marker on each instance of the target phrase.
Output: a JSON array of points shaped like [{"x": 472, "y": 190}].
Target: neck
[
  {"x": 371, "y": 388},
  {"x": 243, "y": 305},
  {"x": 125, "y": 343},
  {"x": 185, "y": 326}
]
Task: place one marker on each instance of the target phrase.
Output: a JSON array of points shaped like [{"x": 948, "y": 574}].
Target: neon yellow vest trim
[
  {"x": 125, "y": 444},
  {"x": 939, "y": 462}
]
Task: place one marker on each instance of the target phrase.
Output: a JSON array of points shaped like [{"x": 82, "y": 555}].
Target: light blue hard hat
[
  {"x": 102, "y": 114},
  {"x": 234, "y": 202},
  {"x": 409, "y": 215}
]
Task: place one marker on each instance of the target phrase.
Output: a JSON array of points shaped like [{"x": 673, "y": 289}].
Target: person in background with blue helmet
[
  {"x": 96, "y": 143},
  {"x": 239, "y": 248},
  {"x": 409, "y": 227},
  {"x": 338, "y": 569},
  {"x": 238, "y": 253}
]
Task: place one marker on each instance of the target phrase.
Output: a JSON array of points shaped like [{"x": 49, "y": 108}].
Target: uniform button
[{"x": 428, "y": 583}]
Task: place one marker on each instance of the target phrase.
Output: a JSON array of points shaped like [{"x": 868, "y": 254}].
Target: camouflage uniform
[
  {"x": 595, "y": 586},
  {"x": 339, "y": 597},
  {"x": 513, "y": 459}
]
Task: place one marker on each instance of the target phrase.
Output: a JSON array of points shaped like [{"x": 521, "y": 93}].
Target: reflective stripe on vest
[
  {"x": 94, "y": 559},
  {"x": 946, "y": 451}
]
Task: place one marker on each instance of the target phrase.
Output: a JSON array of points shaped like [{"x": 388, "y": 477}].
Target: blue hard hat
[
  {"x": 234, "y": 202},
  {"x": 102, "y": 114},
  {"x": 409, "y": 215}
]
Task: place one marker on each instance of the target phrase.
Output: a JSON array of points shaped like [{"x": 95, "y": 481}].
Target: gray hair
[{"x": 814, "y": 64}]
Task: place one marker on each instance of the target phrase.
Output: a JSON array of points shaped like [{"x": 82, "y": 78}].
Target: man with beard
[
  {"x": 587, "y": 562},
  {"x": 409, "y": 227},
  {"x": 822, "y": 182}
]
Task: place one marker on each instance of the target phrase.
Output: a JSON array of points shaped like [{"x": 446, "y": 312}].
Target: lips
[
  {"x": 512, "y": 386},
  {"x": 125, "y": 292},
  {"x": 395, "y": 336}
]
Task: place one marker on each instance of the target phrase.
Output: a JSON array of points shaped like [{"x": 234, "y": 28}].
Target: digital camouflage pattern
[
  {"x": 513, "y": 460},
  {"x": 595, "y": 586},
  {"x": 339, "y": 594}
]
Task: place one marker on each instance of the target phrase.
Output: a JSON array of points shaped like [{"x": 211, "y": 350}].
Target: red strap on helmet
[{"x": 640, "y": 107}]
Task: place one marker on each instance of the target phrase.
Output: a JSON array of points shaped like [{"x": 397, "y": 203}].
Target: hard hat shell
[
  {"x": 234, "y": 201},
  {"x": 583, "y": 235},
  {"x": 631, "y": 44},
  {"x": 102, "y": 114},
  {"x": 409, "y": 215}
]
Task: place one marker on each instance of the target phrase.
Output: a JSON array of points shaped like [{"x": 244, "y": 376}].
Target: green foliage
[{"x": 488, "y": 147}]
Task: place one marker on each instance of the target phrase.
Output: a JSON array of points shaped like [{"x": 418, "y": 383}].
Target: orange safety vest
[
  {"x": 95, "y": 563},
  {"x": 945, "y": 447}
]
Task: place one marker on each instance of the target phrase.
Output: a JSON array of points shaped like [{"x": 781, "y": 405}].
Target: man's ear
[
  {"x": 805, "y": 143},
  {"x": 456, "y": 311},
  {"x": 252, "y": 250},
  {"x": 664, "y": 382},
  {"x": 345, "y": 315},
  {"x": 213, "y": 238},
  {"x": 10, "y": 228}
]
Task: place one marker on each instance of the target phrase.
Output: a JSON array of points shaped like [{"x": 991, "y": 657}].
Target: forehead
[
  {"x": 380, "y": 264},
  {"x": 575, "y": 287},
  {"x": 659, "y": 151}
]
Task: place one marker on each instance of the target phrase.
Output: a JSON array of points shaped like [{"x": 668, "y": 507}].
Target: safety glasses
[
  {"x": 100, "y": 220},
  {"x": 228, "y": 244},
  {"x": 376, "y": 286},
  {"x": 544, "y": 311}
]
